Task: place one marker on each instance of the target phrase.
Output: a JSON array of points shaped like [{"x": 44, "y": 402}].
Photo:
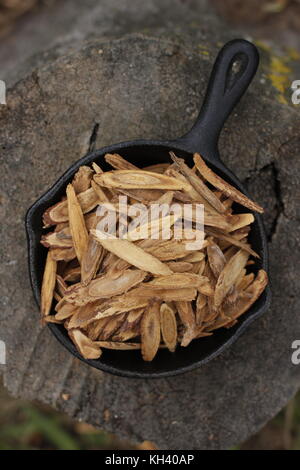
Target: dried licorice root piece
[
  {"x": 198, "y": 184},
  {"x": 77, "y": 223},
  {"x": 91, "y": 259},
  {"x": 118, "y": 345},
  {"x": 150, "y": 331},
  {"x": 118, "y": 162},
  {"x": 105, "y": 287},
  {"x": 48, "y": 285},
  {"x": 58, "y": 213},
  {"x": 138, "y": 179},
  {"x": 82, "y": 179},
  {"x": 229, "y": 275},
  {"x": 168, "y": 326},
  {"x": 86, "y": 347},
  {"x": 133, "y": 254}
]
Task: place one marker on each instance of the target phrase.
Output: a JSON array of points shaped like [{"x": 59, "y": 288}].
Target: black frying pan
[{"x": 227, "y": 84}]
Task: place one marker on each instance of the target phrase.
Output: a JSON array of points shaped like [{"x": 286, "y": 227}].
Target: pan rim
[{"x": 55, "y": 329}]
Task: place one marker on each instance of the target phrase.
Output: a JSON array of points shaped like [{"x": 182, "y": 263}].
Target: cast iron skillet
[{"x": 226, "y": 86}]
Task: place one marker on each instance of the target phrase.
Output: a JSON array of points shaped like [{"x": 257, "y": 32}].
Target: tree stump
[{"x": 144, "y": 87}]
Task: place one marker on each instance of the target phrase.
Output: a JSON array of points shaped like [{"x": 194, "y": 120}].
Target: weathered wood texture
[{"x": 140, "y": 87}]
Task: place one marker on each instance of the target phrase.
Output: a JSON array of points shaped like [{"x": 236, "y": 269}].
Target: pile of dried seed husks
[{"x": 132, "y": 293}]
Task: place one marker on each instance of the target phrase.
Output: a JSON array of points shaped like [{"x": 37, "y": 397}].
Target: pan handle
[{"x": 232, "y": 73}]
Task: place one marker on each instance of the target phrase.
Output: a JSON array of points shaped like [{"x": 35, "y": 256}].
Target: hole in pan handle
[{"x": 231, "y": 75}]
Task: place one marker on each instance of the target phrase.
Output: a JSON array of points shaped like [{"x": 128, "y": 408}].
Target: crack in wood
[
  {"x": 93, "y": 138},
  {"x": 273, "y": 169},
  {"x": 279, "y": 207}
]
